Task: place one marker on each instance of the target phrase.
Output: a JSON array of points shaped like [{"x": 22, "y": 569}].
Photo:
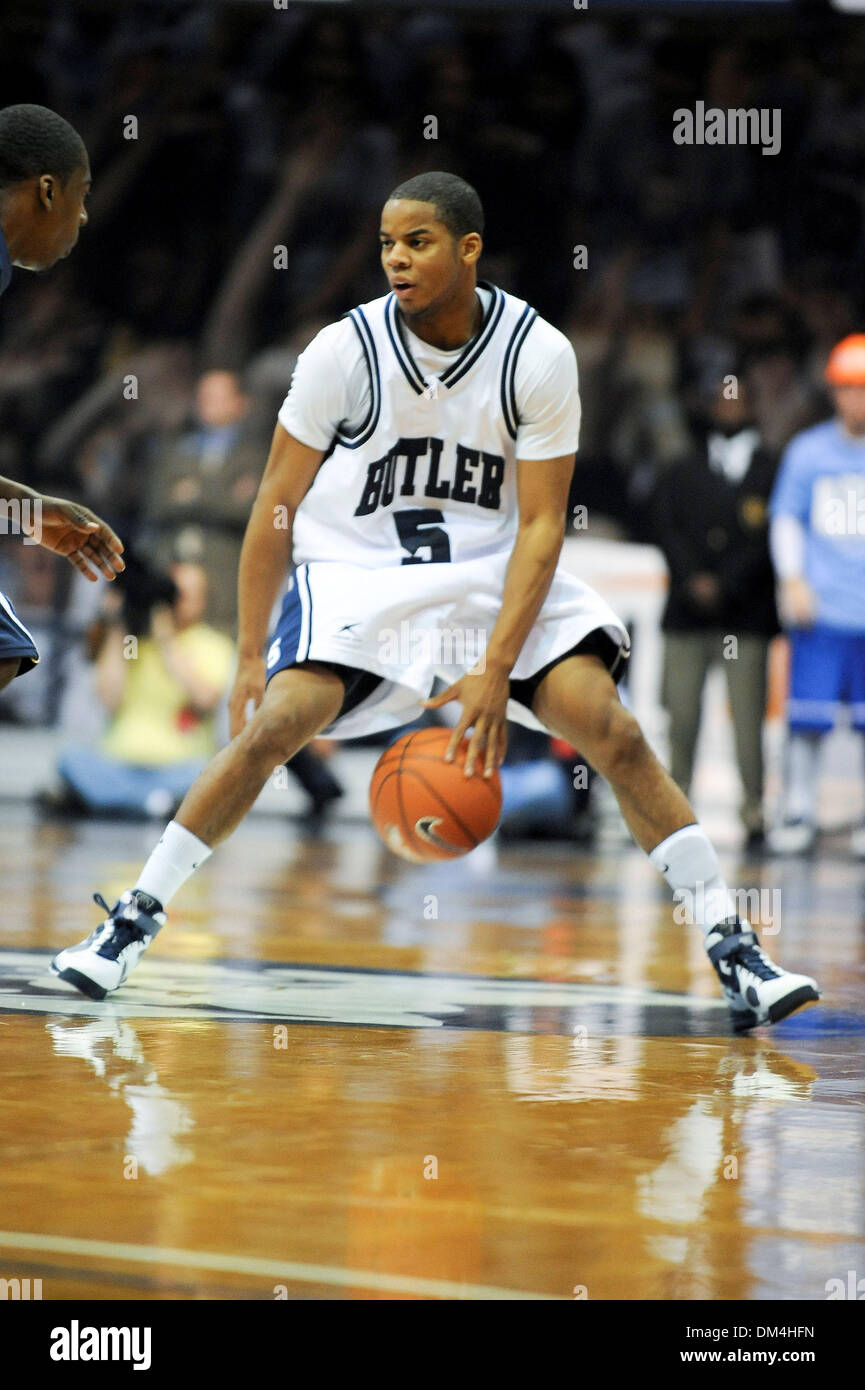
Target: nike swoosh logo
[{"x": 426, "y": 828}]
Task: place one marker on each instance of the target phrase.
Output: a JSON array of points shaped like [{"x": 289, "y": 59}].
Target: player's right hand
[
  {"x": 84, "y": 539},
  {"x": 798, "y": 603},
  {"x": 247, "y": 693}
]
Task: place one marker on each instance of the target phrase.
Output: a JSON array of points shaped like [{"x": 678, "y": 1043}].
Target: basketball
[{"x": 425, "y": 809}]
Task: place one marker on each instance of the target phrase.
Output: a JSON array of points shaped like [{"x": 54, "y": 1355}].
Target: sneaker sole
[
  {"x": 81, "y": 982},
  {"x": 782, "y": 1009}
]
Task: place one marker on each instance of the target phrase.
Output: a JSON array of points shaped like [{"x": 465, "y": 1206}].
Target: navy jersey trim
[
  {"x": 354, "y": 438},
  {"x": 470, "y": 354},
  {"x": 509, "y": 370},
  {"x": 480, "y": 343},
  {"x": 410, "y": 369},
  {"x": 15, "y": 639}
]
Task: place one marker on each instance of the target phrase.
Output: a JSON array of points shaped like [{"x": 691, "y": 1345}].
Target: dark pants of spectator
[
  {"x": 316, "y": 778},
  {"x": 688, "y": 657}
]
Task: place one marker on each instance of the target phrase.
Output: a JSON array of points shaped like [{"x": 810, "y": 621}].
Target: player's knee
[
  {"x": 272, "y": 734},
  {"x": 621, "y": 744}
]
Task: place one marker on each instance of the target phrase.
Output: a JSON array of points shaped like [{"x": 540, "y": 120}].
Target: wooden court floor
[{"x": 338, "y": 1076}]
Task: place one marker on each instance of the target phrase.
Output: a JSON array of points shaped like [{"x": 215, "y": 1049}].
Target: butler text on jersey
[{"x": 474, "y": 475}]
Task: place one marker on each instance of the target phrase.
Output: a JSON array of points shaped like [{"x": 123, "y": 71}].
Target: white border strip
[{"x": 305, "y": 615}]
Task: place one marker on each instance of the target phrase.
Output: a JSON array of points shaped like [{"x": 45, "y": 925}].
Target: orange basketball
[{"x": 426, "y": 809}]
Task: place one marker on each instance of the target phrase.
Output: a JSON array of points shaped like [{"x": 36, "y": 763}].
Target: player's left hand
[
  {"x": 483, "y": 695},
  {"x": 75, "y": 532}
]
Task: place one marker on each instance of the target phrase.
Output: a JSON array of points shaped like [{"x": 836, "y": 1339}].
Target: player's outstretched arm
[
  {"x": 67, "y": 528},
  {"x": 264, "y": 561}
]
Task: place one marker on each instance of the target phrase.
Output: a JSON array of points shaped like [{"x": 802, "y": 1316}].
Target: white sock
[
  {"x": 800, "y": 797},
  {"x": 174, "y": 860},
  {"x": 690, "y": 865}
]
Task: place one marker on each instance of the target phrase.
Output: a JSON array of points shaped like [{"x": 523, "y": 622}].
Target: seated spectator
[
  {"x": 161, "y": 691},
  {"x": 711, "y": 522}
]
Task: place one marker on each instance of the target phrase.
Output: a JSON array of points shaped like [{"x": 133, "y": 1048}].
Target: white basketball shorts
[{"x": 410, "y": 624}]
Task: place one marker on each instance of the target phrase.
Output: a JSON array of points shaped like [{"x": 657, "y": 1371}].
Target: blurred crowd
[{"x": 143, "y": 375}]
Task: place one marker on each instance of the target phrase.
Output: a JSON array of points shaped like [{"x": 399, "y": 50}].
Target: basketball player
[
  {"x": 44, "y": 179},
  {"x": 818, "y": 546},
  {"x": 419, "y": 475}
]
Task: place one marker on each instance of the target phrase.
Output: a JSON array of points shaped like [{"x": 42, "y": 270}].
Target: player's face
[
  {"x": 424, "y": 263},
  {"x": 55, "y": 227},
  {"x": 850, "y": 403}
]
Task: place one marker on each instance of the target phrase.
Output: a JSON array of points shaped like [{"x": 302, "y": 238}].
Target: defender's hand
[
  {"x": 75, "y": 532},
  {"x": 248, "y": 685},
  {"x": 484, "y": 698}
]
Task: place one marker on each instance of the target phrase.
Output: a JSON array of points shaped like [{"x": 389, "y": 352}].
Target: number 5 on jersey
[{"x": 421, "y": 537}]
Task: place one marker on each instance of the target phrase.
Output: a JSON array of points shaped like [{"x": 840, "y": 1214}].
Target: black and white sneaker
[
  {"x": 102, "y": 962},
  {"x": 756, "y": 989}
]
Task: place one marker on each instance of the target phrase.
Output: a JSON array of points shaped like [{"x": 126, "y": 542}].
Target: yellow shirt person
[
  {"x": 156, "y": 722},
  {"x": 161, "y": 692}
]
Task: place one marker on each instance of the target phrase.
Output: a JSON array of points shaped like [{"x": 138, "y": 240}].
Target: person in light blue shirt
[{"x": 817, "y": 538}]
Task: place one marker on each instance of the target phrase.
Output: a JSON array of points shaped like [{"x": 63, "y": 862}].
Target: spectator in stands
[
  {"x": 202, "y": 486},
  {"x": 161, "y": 691},
  {"x": 772, "y": 343},
  {"x": 711, "y": 521}
]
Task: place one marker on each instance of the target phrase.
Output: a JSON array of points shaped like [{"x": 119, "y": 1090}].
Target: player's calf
[
  {"x": 578, "y": 701},
  {"x": 618, "y": 745},
  {"x": 297, "y": 705},
  {"x": 582, "y": 706}
]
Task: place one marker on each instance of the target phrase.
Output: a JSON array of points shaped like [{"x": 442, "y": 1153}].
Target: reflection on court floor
[{"x": 338, "y": 1076}]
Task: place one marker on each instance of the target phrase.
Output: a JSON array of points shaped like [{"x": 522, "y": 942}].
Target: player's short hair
[
  {"x": 34, "y": 141},
  {"x": 455, "y": 201}
]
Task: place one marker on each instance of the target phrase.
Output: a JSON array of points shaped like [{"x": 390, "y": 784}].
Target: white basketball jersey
[{"x": 429, "y": 474}]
